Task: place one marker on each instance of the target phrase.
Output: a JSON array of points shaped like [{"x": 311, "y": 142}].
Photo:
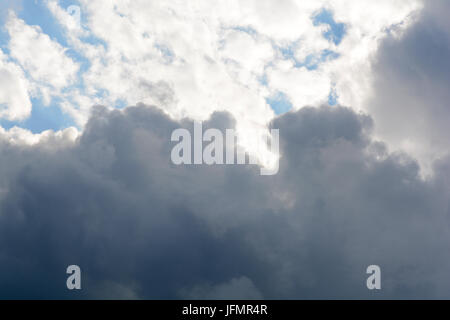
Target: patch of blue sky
[
  {"x": 312, "y": 61},
  {"x": 166, "y": 52},
  {"x": 333, "y": 97},
  {"x": 336, "y": 31},
  {"x": 279, "y": 103},
  {"x": 120, "y": 104},
  {"x": 247, "y": 29},
  {"x": 263, "y": 80},
  {"x": 42, "y": 118},
  {"x": 4, "y": 38},
  {"x": 288, "y": 52},
  {"x": 36, "y": 13}
]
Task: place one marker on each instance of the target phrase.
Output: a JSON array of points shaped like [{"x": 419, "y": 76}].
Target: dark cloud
[{"x": 140, "y": 227}]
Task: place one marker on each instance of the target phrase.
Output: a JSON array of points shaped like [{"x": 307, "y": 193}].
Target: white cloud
[
  {"x": 15, "y": 102},
  {"x": 368, "y": 23},
  {"x": 44, "y": 59},
  {"x": 23, "y": 137},
  {"x": 206, "y": 52},
  {"x": 303, "y": 86},
  {"x": 194, "y": 58},
  {"x": 67, "y": 19}
]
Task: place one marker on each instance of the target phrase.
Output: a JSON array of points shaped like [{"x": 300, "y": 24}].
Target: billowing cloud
[
  {"x": 410, "y": 100},
  {"x": 113, "y": 203},
  {"x": 42, "y": 58},
  {"x": 15, "y": 101},
  {"x": 210, "y": 56}
]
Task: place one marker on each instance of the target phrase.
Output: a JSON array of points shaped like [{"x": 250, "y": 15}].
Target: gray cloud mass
[
  {"x": 140, "y": 227},
  {"x": 410, "y": 100}
]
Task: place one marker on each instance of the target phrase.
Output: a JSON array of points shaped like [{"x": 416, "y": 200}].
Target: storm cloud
[{"x": 141, "y": 227}]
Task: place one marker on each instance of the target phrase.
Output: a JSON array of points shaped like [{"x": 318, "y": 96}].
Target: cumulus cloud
[
  {"x": 42, "y": 58},
  {"x": 15, "y": 101},
  {"x": 113, "y": 203},
  {"x": 231, "y": 55},
  {"x": 410, "y": 89},
  {"x": 193, "y": 59}
]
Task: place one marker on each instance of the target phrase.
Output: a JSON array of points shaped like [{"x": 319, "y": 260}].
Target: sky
[{"x": 91, "y": 90}]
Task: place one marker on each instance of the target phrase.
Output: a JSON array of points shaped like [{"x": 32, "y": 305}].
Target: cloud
[
  {"x": 236, "y": 289},
  {"x": 410, "y": 95},
  {"x": 229, "y": 56},
  {"x": 193, "y": 59},
  {"x": 108, "y": 198},
  {"x": 113, "y": 203},
  {"x": 69, "y": 18},
  {"x": 15, "y": 101},
  {"x": 43, "y": 59}
]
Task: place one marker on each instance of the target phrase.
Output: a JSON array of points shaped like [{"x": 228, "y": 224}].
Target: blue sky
[{"x": 336, "y": 31}]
